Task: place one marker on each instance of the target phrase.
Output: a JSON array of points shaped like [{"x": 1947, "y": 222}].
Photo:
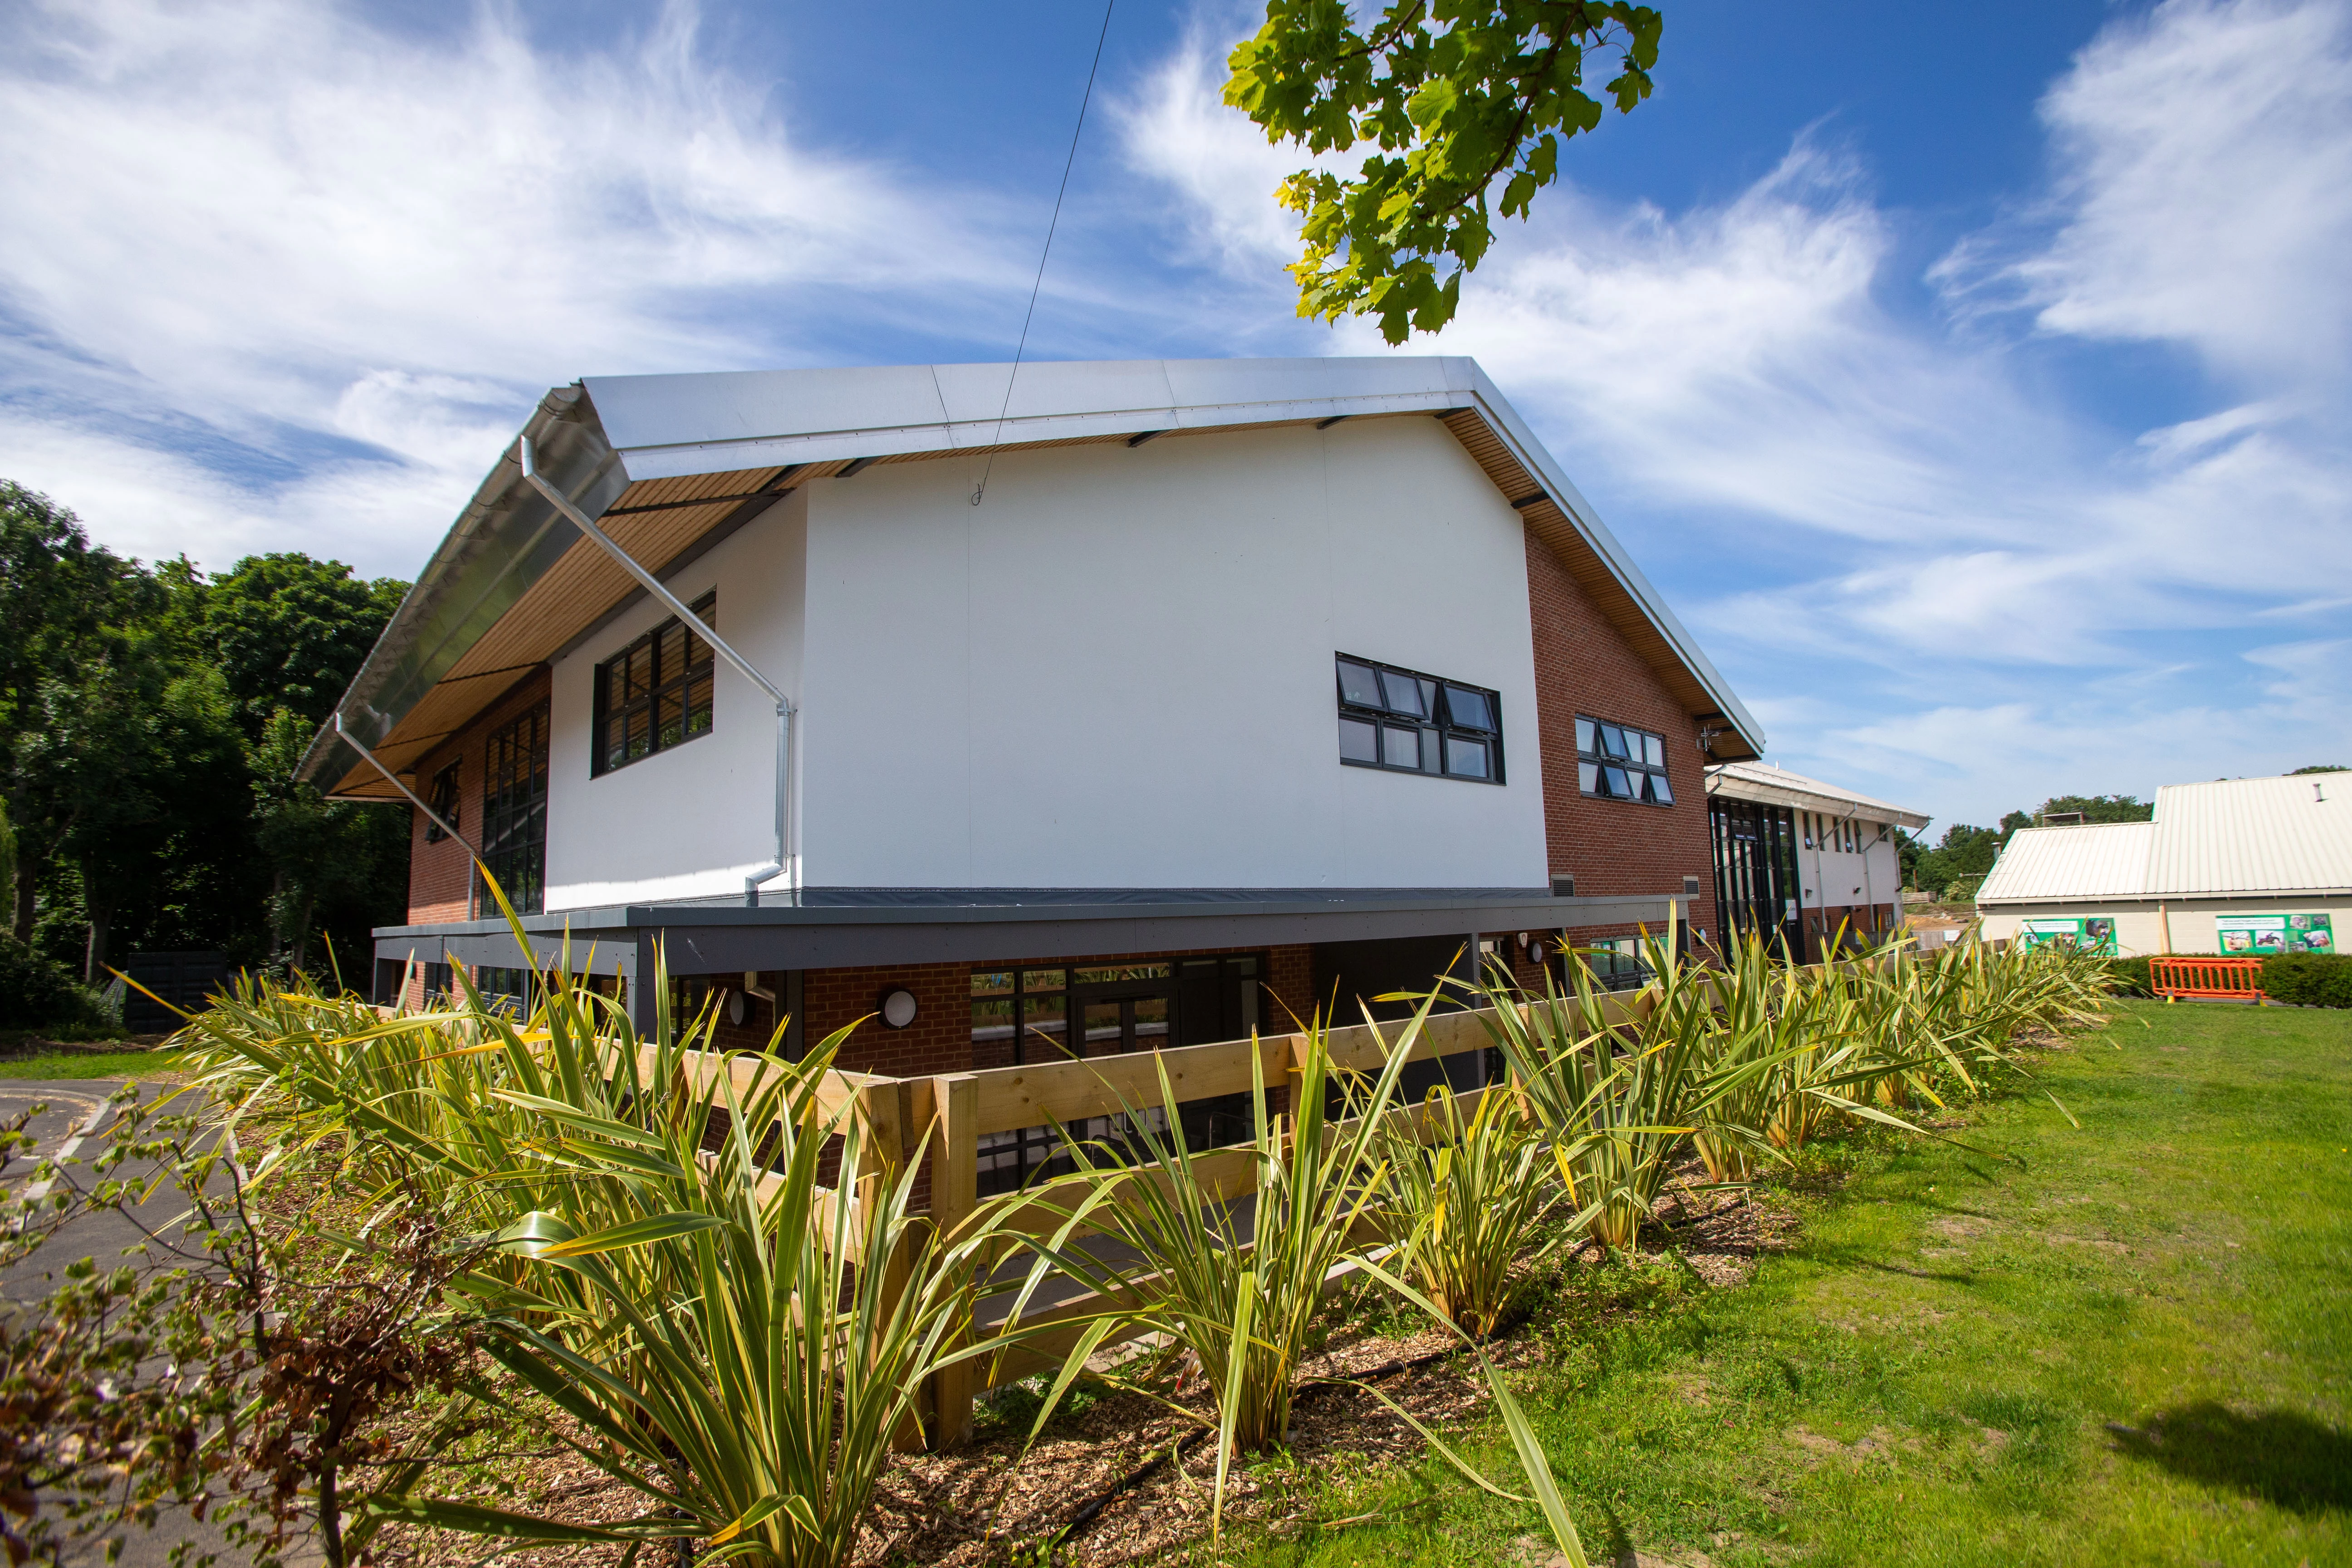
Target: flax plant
[
  {"x": 1469, "y": 1201},
  {"x": 1239, "y": 1283},
  {"x": 731, "y": 1339}
]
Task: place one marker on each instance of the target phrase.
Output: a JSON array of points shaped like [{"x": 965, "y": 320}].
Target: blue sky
[{"x": 1972, "y": 379}]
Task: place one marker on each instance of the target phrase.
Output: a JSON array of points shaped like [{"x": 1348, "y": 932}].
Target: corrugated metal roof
[
  {"x": 1778, "y": 786},
  {"x": 2103, "y": 860},
  {"x": 2287, "y": 834},
  {"x": 2231, "y": 837}
]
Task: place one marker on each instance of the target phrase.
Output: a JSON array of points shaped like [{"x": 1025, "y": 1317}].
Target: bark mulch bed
[{"x": 990, "y": 1503}]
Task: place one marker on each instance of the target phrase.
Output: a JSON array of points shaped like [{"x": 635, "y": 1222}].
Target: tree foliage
[
  {"x": 1452, "y": 96},
  {"x": 150, "y": 722}
]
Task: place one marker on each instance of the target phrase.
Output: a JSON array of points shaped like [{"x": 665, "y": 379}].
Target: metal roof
[
  {"x": 1775, "y": 785},
  {"x": 640, "y": 450},
  {"x": 2232, "y": 837},
  {"x": 2290, "y": 834},
  {"x": 2103, "y": 860}
]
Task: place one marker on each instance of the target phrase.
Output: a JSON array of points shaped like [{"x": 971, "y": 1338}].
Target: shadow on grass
[{"x": 2281, "y": 1456}]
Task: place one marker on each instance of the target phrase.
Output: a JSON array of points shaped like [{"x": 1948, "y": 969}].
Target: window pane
[
  {"x": 639, "y": 664},
  {"x": 1586, "y": 739},
  {"x": 1465, "y": 758},
  {"x": 1359, "y": 741},
  {"x": 671, "y": 728},
  {"x": 1429, "y": 700},
  {"x": 1117, "y": 974},
  {"x": 1654, "y": 750},
  {"x": 1431, "y": 752},
  {"x": 1399, "y": 747},
  {"x": 1403, "y": 693},
  {"x": 1588, "y": 778},
  {"x": 1150, "y": 1022},
  {"x": 1612, "y": 742},
  {"x": 1358, "y": 685},
  {"x": 697, "y": 707},
  {"x": 1104, "y": 1033},
  {"x": 1621, "y": 786},
  {"x": 671, "y": 651},
  {"x": 992, "y": 981},
  {"x": 1468, "y": 709},
  {"x": 1042, "y": 1020},
  {"x": 1043, "y": 979},
  {"x": 1659, "y": 790}
]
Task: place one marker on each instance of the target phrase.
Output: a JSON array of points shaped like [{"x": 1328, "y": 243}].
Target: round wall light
[
  {"x": 899, "y": 1010},
  {"x": 735, "y": 1009}
]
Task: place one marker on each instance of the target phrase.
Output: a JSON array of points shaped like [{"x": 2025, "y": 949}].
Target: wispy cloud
[
  {"x": 278, "y": 247},
  {"x": 1987, "y": 592}
]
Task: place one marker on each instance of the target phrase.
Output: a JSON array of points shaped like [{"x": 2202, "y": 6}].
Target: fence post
[
  {"x": 882, "y": 1105},
  {"x": 955, "y": 1192}
]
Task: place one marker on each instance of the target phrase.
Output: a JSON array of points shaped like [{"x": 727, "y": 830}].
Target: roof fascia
[
  {"x": 506, "y": 539},
  {"x": 1531, "y": 454},
  {"x": 1734, "y": 786}
]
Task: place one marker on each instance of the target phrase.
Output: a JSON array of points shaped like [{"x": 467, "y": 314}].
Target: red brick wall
[
  {"x": 440, "y": 876},
  {"x": 1611, "y": 847}
]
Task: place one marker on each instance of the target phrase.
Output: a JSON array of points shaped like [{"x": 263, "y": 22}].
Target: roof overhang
[
  {"x": 1794, "y": 795},
  {"x": 671, "y": 464}
]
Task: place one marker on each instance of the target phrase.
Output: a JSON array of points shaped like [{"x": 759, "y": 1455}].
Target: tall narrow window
[
  {"x": 443, "y": 801},
  {"x": 655, "y": 693},
  {"x": 514, "y": 811}
]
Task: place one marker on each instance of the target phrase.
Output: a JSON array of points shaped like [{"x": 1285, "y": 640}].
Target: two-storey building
[{"x": 1165, "y": 698}]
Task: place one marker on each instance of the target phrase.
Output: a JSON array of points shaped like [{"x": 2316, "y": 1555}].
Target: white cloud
[
  {"x": 2206, "y": 157},
  {"x": 274, "y": 226},
  {"x": 1921, "y": 521}
]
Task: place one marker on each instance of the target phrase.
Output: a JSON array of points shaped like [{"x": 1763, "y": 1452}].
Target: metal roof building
[{"x": 2233, "y": 865}]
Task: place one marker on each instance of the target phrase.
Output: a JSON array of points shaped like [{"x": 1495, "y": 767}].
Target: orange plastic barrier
[{"x": 2206, "y": 977}]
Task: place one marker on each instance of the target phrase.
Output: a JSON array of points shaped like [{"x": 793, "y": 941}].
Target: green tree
[
  {"x": 2320, "y": 768},
  {"x": 288, "y": 632},
  {"x": 56, "y": 594},
  {"x": 1453, "y": 96},
  {"x": 1964, "y": 851},
  {"x": 2095, "y": 808},
  {"x": 333, "y": 863}
]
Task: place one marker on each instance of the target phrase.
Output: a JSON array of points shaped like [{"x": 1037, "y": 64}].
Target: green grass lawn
[
  {"x": 129, "y": 1063},
  {"x": 2135, "y": 1347}
]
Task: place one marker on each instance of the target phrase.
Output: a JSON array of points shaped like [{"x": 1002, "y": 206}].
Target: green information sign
[
  {"x": 2260, "y": 935},
  {"x": 2090, "y": 933}
]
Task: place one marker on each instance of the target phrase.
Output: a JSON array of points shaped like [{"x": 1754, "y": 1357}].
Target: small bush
[
  {"x": 38, "y": 993},
  {"x": 2309, "y": 979},
  {"x": 2130, "y": 977}
]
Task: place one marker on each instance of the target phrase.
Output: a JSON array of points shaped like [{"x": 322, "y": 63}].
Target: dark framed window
[
  {"x": 511, "y": 990},
  {"x": 1617, "y": 761},
  {"x": 1407, "y": 723},
  {"x": 443, "y": 799},
  {"x": 655, "y": 693},
  {"x": 514, "y": 810}
]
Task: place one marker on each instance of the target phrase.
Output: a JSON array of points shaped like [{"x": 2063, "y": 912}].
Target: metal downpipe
[{"x": 785, "y": 861}]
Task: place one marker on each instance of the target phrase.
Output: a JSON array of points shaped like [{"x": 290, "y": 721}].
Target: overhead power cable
[{"x": 980, "y": 489}]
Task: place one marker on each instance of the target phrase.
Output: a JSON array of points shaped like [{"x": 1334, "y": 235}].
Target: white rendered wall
[
  {"x": 692, "y": 822},
  {"x": 1116, "y": 672},
  {"x": 1836, "y": 876}
]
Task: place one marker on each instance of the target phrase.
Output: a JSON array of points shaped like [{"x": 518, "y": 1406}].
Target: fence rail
[{"x": 2207, "y": 978}]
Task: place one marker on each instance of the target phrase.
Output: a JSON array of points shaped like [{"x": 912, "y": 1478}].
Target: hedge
[
  {"x": 37, "y": 991},
  {"x": 2310, "y": 979},
  {"x": 2305, "y": 979}
]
